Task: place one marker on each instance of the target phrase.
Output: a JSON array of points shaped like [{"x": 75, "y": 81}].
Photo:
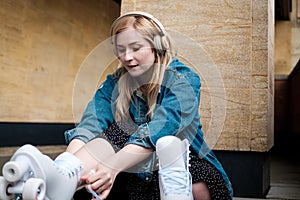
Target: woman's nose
[{"x": 128, "y": 55}]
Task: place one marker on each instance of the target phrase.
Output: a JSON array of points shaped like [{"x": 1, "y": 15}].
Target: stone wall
[
  {"x": 237, "y": 38},
  {"x": 43, "y": 44},
  {"x": 230, "y": 43}
]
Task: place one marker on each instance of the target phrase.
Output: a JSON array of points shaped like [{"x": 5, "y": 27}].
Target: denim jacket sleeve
[
  {"x": 176, "y": 112},
  {"x": 98, "y": 114}
]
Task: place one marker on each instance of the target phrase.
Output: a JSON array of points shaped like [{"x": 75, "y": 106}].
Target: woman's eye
[
  {"x": 132, "y": 49},
  {"x": 121, "y": 51},
  {"x": 136, "y": 48}
]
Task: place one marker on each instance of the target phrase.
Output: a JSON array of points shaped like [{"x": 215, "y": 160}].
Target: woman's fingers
[
  {"x": 99, "y": 182},
  {"x": 105, "y": 193},
  {"x": 102, "y": 184},
  {"x": 95, "y": 195},
  {"x": 100, "y": 194}
]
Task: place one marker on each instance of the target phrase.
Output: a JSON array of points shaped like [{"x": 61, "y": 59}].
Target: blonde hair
[{"x": 164, "y": 52}]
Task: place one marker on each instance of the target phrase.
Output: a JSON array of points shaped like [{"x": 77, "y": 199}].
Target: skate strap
[{"x": 95, "y": 195}]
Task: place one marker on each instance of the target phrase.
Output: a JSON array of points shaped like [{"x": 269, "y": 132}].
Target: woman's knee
[{"x": 200, "y": 191}]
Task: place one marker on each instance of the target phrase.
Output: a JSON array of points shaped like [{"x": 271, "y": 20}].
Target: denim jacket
[{"x": 176, "y": 113}]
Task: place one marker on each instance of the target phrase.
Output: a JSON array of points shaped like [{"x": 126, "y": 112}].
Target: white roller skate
[
  {"x": 31, "y": 175},
  {"x": 175, "y": 180}
]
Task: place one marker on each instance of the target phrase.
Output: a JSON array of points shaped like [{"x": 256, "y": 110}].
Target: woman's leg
[
  {"x": 200, "y": 191},
  {"x": 208, "y": 182},
  {"x": 94, "y": 152}
]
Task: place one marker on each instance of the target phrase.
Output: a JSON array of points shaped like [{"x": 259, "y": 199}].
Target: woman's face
[{"x": 135, "y": 53}]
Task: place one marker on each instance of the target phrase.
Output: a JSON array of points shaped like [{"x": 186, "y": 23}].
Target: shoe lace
[
  {"x": 94, "y": 194},
  {"x": 175, "y": 181},
  {"x": 66, "y": 168}
]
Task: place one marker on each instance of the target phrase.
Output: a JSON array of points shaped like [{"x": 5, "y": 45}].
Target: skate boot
[
  {"x": 31, "y": 175},
  {"x": 175, "y": 180}
]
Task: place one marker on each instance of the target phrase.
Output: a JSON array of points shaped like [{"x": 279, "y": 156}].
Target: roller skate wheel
[
  {"x": 34, "y": 189},
  {"x": 4, "y": 184},
  {"x": 14, "y": 170}
]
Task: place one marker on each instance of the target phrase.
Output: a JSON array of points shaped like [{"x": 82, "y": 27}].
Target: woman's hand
[
  {"x": 101, "y": 180},
  {"x": 103, "y": 177}
]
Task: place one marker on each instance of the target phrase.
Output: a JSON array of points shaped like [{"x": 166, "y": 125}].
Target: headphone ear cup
[
  {"x": 164, "y": 42},
  {"x": 161, "y": 44},
  {"x": 157, "y": 44}
]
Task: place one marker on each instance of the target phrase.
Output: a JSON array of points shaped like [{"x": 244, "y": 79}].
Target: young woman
[{"x": 135, "y": 115}]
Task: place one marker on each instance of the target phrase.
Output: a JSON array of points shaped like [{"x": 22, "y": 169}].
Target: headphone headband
[{"x": 144, "y": 14}]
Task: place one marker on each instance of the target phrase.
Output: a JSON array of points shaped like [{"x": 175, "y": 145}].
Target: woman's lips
[{"x": 132, "y": 66}]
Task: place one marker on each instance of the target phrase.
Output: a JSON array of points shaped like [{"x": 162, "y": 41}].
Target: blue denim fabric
[{"x": 176, "y": 113}]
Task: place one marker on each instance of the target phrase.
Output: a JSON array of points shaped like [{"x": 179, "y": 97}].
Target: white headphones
[{"x": 160, "y": 41}]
